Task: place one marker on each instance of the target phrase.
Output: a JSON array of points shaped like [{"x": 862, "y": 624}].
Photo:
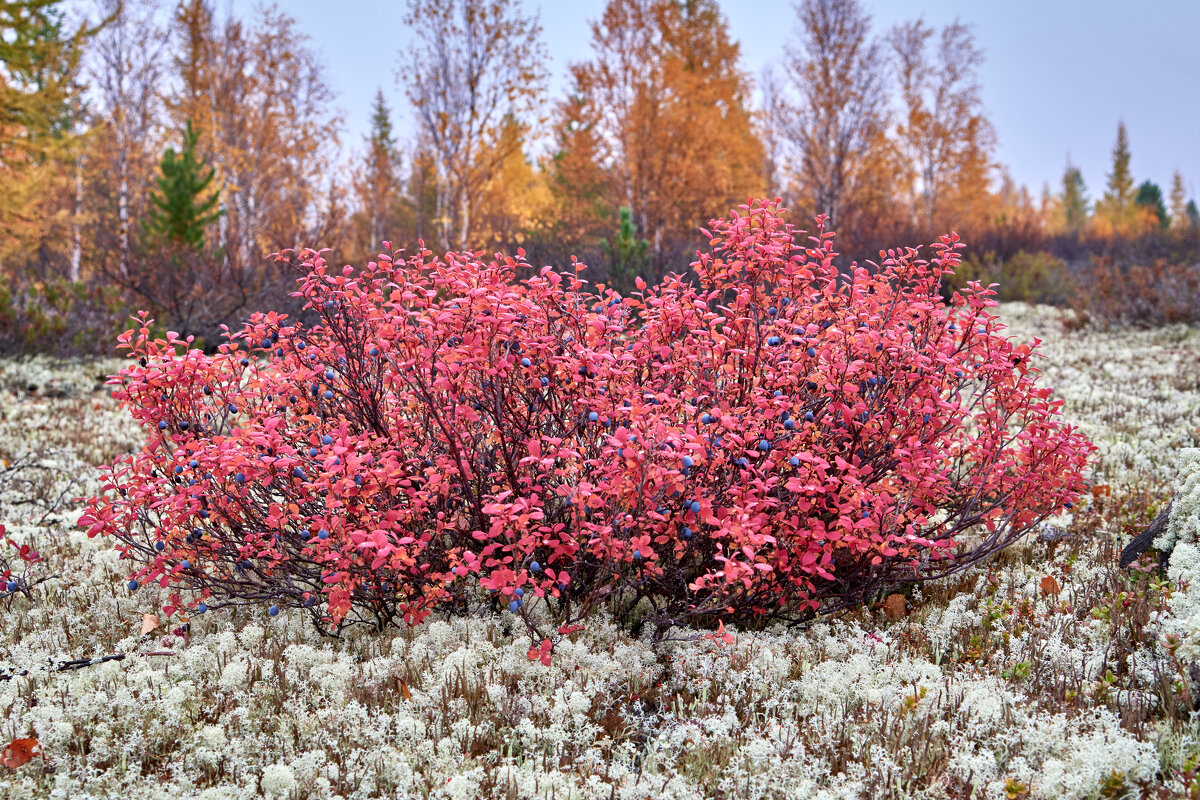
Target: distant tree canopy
[
  {"x": 178, "y": 131},
  {"x": 39, "y": 115}
]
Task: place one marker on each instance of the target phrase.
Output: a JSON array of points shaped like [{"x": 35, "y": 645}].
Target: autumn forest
[{"x": 152, "y": 156}]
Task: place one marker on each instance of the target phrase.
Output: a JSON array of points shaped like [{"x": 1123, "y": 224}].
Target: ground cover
[{"x": 1041, "y": 674}]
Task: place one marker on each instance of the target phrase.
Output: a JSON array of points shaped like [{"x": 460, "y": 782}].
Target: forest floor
[{"x": 1040, "y": 674}]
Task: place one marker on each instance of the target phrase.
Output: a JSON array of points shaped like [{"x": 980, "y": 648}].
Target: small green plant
[
  {"x": 1015, "y": 789},
  {"x": 627, "y": 254},
  {"x": 1015, "y": 673}
]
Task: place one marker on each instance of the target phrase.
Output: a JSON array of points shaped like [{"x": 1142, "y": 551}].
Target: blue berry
[
  {"x": 545, "y": 382},
  {"x": 686, "y": 532},
  {"x": 329, "y": 375},
  {"x": 525, "y": 362},
  {"x": 774, "y": 341},
  {"x": 743, "y": 463},
  {"x": 183, "y": 425},
  {"x": 764, "y": 445},
  {"x": 232, "y": 408},
  {"x": 297, "y": 473},
  {"x": 772, "y": 311},
  {"x": 245, "y": 362},
  {"x": 326, "y": 439},
  {"x": 178, "y": 468},
  {"x": 514, "y": 606},
  {"x": 11, "y": 586},
  {"x": 160, "y": 546},
  {"x": 808, "y": 416},
  {"x": 812, "y": 352},
  {"x": 328, "y": 395},
  {"x": 162, "y": 425},
  {"x": 273, "y": 610},
  {"x": 592, "y": 417},
  {"x": 708, "y": 419},
  {"x": 637, "y": 555},
  {"x": 687, "y": 461},
  {"x": 200, "y": 609},
  {"x": 789, "y": 424},
  {"x": 925, "y": 418},
  {"x": 300, "y": 345},
  {"x": 695, "y": 506},
  {"x": 374, "y": 351},
  {"x": 535, "y": 566},
  {"x": 519, "y": 592},
  {"x": 322, "y": 534},
  {"x": 778, "y": 393},
  {"x": 313, "y": 452},
  {"x": 133, "y": 585},
  {"x": 240, "y": 477},
  {"x": 202, "y": 513},
  {"x": 185, "y": 564},
  {"x": 193, "y": 463}
]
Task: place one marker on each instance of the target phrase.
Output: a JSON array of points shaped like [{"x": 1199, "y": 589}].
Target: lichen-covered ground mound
[{"x": 1048, "y": 673}]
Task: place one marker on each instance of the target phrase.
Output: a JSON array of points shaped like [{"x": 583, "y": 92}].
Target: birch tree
[{"x": 478, "y": 65}]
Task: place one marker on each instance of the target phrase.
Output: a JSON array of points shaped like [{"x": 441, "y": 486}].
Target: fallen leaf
[
  {"x": 893, "y": 606},
  {"x": 405, "y": 692},
  {"x": 1049, "y": 586},
  {"x": 149, "y": 623},
  {"x": 19, "y": 751}
]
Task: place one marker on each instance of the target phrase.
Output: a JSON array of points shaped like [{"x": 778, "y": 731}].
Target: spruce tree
[
  {"x": 183, "y": 207},
  {"x": 1117, "y": 205},
  {"x": 1150, "y": 196},
  {"x": 1074, "y": 200},
  {"x": 379, "y": 185}
]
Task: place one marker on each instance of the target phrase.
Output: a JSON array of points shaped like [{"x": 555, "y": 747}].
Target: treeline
[{"x": 153, "y": 155}]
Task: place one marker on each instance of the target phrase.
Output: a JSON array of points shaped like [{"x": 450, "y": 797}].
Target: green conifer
[{"x": 183, "y": 206}]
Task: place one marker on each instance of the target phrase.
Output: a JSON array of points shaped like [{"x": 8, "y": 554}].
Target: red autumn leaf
[
  {"x": 20, "y": 751},
  {"x": 894, "y": 607}
]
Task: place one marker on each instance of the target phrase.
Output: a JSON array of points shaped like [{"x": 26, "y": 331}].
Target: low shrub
[
  {"x": 776, "y": 442},
  {"x": 1160, "y": 293},
  {"x": 1029, "y": 277},
  {"x": 59, "y": 318}
]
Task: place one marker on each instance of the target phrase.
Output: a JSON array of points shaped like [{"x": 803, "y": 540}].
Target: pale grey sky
[{"x": 1058, "y": 74}]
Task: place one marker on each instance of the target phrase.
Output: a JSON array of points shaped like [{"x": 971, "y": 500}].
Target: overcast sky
[{"x": 1057, "y": 76}]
